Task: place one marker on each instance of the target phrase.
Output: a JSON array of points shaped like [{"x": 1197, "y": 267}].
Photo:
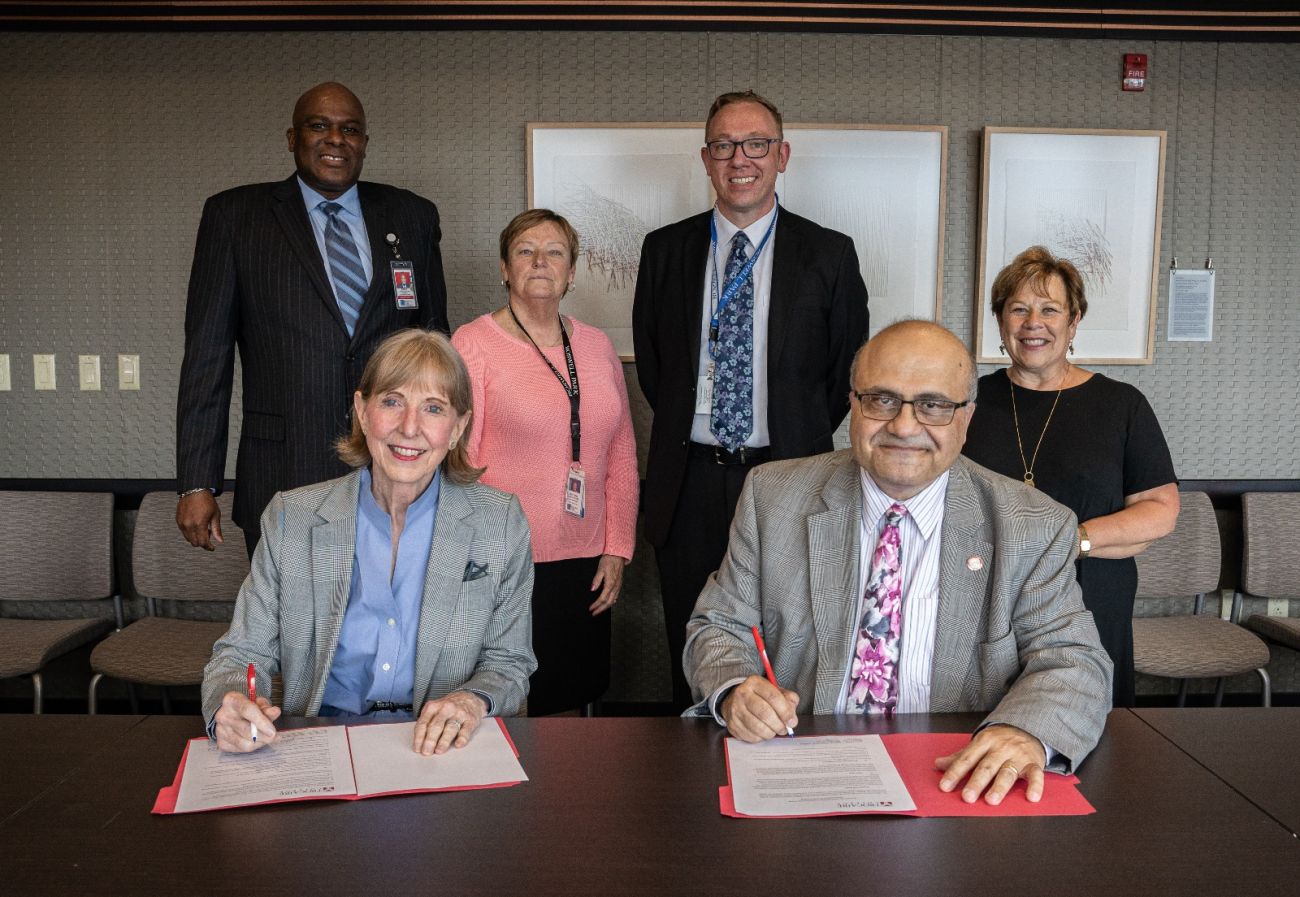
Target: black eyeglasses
[
  {"x": 753, "y": 147},
  {"x": 931, "y": 412}
]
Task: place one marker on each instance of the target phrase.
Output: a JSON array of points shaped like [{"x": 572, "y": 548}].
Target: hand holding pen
[
  {"x": 758, "y": 708},
  {"x": 244, "y": 722}
]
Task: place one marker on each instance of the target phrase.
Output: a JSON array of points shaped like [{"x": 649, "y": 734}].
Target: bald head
[
  {"x": 911, "y": 362},
  {"x": 328, "y": 139},
  {"x": 313, "y": 95}
]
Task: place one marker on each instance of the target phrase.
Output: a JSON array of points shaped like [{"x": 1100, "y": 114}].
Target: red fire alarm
[{"x": 1135, "y": 71}]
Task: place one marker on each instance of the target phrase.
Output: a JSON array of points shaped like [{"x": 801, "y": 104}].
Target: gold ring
[{"x": 1014, "y": 771}]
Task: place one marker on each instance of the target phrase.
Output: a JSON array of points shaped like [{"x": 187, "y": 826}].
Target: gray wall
[{"x": 113, "y": 141}]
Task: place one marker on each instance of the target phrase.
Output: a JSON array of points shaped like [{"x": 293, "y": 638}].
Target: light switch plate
[
  {"x": 6, "y": 383},
  {"x": 88, "y": 367},
  {"x": 128, "y": 372},
  {"x": 43, "y": 373}
]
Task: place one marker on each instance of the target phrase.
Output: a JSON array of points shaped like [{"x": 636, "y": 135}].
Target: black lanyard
[{"x": 575, "y": 423}]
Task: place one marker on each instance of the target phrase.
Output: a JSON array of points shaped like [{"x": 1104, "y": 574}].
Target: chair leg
[
  {"x": 38, "y": 693},
  {"x": 1266, "y": 687},
  {"x": 1182, "y": 692},
  {"x": 166, "y": 701},
  {"x": 1218, "y": 691},
  {"x": 135, "y": 701},
  {"x": 92, "y": 693}
]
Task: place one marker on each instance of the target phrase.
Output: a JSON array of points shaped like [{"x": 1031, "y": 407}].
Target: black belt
[
  {"x": 379, "y": 706},
  {"x": 741, "y": 457}
]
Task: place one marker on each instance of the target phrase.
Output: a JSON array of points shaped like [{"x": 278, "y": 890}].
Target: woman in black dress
[{"x": 1089, "y": 442}]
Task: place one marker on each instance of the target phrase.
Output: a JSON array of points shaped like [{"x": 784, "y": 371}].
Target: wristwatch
[{"x": 1085, "y": 544}]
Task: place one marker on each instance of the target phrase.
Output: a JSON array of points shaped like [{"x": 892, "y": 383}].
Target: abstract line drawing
[
  {"x": 1084, "y": 243},
  {"x": 610, "y": 234},
  {"x": 1093, "y": 197}
]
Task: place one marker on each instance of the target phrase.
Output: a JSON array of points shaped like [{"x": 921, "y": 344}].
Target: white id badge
[
  {"x": 404, "y": 284},
  {"x": 704, "y": 391},
  {"x": 575, "y": 492}
]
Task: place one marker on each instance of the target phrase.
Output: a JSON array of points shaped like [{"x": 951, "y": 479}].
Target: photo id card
[
  {"x": 704, "y": 391},
  {"x": 404, "y": 284},
  {"x": 575, "y": 492}
]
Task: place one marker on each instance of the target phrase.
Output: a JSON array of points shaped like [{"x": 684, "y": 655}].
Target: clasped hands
[
  {"x": 442, "y": 724},
  {"x": 989, "y": 764}
]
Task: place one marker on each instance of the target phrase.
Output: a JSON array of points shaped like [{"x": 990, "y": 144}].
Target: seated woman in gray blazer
[{"x": 400, "y": 590}]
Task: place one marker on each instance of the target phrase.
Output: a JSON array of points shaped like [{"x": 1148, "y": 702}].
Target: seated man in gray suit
[{"x": 901, "y": 577}]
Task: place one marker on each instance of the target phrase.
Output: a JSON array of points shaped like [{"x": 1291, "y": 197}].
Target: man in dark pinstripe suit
[{"x": 264, "y": 282}]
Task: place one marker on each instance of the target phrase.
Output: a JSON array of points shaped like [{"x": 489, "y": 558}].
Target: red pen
[
  {"x": 767, "y": 664},
  {"x": 252, "y": 695}
]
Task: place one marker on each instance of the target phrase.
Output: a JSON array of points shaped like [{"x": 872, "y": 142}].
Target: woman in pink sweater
[{"x": 552, "y": 425}]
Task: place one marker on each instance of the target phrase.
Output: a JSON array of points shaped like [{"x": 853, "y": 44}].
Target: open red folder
[
  {"x": 337, "y": 763},
  {"x": 913, "y": 755}
]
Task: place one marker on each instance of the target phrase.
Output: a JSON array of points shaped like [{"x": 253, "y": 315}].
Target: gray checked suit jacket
[
  {"x": 1013, "y": 637},
  {"x": 475, "y": 617}
]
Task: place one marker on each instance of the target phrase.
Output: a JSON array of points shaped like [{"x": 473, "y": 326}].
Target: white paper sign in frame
[
  {"x": 1094, "y": 197},
  {"x": 882, "y": 185}
]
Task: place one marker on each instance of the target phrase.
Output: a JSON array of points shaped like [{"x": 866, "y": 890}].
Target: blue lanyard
[{"x": 733, "y": 286}]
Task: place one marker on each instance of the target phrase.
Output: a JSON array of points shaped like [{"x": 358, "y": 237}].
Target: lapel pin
[{"x": 974, "y": 563}]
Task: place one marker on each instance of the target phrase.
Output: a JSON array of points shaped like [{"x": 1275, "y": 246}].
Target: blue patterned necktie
[
  {"x": 733, "y": 376},
  {"x": 346, "y": 270}
]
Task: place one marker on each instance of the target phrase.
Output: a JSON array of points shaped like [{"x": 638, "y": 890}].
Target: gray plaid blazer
[
  {"x": 475, "y": 618},
  {"x": 1013, "y": 637}
]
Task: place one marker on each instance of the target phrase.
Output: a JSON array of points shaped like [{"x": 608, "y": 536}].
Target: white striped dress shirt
[{"x": 919, "y": 534}]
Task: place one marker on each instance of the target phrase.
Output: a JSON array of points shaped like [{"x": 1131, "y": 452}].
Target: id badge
[
  {"x": 704, "y": 391},
  {"x": 404, "y": 284},
  {"x": 575, "y": 492}
]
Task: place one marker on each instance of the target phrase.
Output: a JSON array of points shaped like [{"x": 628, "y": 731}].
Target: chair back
[
  {"x": 1270, "y": 566},
  {"x": 166, "y": 567},
  {"x": 1185, "y": 562},
  {"x": 56, "y": 546}
]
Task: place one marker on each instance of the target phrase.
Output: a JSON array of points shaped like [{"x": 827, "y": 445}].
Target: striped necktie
[
  {"x": 346, "y": 270},
  {"x": 873, "y": 680}
]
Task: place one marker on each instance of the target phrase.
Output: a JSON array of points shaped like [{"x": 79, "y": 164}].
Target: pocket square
[{"x": 475, "y": 570}]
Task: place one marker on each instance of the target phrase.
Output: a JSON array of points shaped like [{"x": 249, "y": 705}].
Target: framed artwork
[
  {"x": 881, "y": 185},
  {"x": 1093, "y": 197},
  {"x": 615, "y": 183},
  {"x": 884, "y": 186}
]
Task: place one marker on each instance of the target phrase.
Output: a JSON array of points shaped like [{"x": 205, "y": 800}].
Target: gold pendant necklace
[{"x": 1015, "y": 416}]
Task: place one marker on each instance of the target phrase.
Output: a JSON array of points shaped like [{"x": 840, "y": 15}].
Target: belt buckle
[{"x": 724, "y": 457}]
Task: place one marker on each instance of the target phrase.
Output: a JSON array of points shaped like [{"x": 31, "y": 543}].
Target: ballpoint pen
[
  {"x": 767, "y": 664},
  {"x": 252, "y": 695}
]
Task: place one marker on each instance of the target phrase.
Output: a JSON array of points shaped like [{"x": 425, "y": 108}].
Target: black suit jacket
[
  {"x": 259, "y": 283},
  {"x": 817, "y": 319}
]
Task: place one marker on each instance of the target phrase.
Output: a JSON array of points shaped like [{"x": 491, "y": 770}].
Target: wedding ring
[
  {"x": 454, "y": 722},
  {"x": 1014, "y": 771}
]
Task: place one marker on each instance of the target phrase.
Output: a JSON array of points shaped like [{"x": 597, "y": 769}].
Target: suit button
[{"x": 350, "y": 356}]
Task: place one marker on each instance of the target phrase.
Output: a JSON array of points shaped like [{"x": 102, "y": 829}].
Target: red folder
[
  {"x": 914, "y": 754},
  {"x": 165, "y": 804}
]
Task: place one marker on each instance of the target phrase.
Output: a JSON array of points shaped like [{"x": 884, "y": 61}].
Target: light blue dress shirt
[
  {"x": 375, "y": 657},
  {"x": 351, "y": 216}
]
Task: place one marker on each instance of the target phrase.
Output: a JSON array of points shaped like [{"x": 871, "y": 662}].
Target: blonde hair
[{"x": 416, "y": 356}]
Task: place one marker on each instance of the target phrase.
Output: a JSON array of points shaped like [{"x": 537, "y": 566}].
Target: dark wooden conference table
[{"x": 622, "y": 806}]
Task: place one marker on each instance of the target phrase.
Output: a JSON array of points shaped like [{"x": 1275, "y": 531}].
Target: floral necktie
[
  {"x": 873, "y": 681},
  {"x": 733, "y": 384}
]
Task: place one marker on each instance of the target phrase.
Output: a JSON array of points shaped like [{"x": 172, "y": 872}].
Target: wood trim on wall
[{"x": 1192, "y": 20}]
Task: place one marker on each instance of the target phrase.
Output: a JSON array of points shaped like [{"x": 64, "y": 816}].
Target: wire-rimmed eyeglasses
[
  {"x": 885, "y": 406},
  {"x": 753, "y": 147}
]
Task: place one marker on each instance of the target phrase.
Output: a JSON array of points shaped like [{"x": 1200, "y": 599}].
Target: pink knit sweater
[{"x": 520, "y": 433}]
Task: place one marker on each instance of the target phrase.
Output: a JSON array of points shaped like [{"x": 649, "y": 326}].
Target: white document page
[
  {"x": 818, "y": 774},
  {"x": 302, "y": 763},
  {"x": 384, "y": 762}
]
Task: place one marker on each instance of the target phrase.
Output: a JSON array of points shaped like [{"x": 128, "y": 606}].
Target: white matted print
[
  {"x": 883, "y": 185},
  {"x": 615, "y": 184},
  {"x": 1093, "y": 197}
]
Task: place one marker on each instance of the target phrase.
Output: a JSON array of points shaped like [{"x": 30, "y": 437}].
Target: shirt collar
[
  {"x": 925, "y": 508},
  {"x": 422, "y": 506},
  {"x": 755, "y": 232},
  {"x": 350, "y": 201}
]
